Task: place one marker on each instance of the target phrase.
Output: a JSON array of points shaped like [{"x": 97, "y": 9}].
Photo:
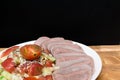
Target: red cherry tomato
[
  {"x": 35, "y": 69},
  {"x": 42, "y": 78},
  {"x": 30, "y": 78},
  {"x": 6, "y": 52},
  {"x": 30, "y": 51},
  {"x": 8, "y": 65},
  {"x": 48, "y": 63},
  {"x": 49, "y": 77}
]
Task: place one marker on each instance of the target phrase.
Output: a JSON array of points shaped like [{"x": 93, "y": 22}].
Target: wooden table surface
[{"x": 110, "y": 55}]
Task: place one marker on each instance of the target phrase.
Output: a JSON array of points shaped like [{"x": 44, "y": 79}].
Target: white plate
[{"x": 89, "y": 51}]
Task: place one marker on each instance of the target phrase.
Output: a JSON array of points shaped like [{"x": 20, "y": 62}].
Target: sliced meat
[
  {"x": 51, "y": 40},
  {"x": 79, "y": 67},
  {"x": 65, "y": 42},
  {"x": 66, "y": 61},
  {"x": 40, "y": 40},
  {"x": 70, "y": 57},
  {"x": 69, "y": 53},
  {"x": 74, "y": 72},
  {"x": 65, "y": 45},
  {"x": 65, "y": 49}
]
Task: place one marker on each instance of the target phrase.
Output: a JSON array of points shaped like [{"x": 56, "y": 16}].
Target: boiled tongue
[{"x": 73, "y": 62}]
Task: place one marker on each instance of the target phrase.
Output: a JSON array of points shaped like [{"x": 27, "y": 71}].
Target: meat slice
[
  {"x": 69, "y": 53},
  {"x": 65, "y": 49},
  {"x": 51, "y": 40},
  {"x": 64, "y": 42},
  {"x": 74, "y": 67},
  {"x": 74, "y": 72},
  {"x": 73, "y": 62},
  {"x": 66, "y": 61},
  {"x": 40, "y": 40}
]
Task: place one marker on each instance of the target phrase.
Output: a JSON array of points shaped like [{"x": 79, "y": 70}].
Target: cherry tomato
[
  {"x": 48, "y": 77},
  {"x": 30, "y": 78},
  {"x": 35, "y": 69},
  {"x": 6, "y": 52},
  {"x": 42, "y": 78},
  {"x": 8, "y": 65},
  {"x": 30, "y": 51},
  {"x": 48, "y": 63}
]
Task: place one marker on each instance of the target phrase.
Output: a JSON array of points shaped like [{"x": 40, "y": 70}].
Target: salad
[{"x": 27, "y": 62}]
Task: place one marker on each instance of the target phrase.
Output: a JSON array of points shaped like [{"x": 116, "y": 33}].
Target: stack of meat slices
[{"x": 73, "y": 62}]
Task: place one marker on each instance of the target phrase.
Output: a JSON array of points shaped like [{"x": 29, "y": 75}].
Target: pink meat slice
[
  {"x": 51, "y": 40},
  {"x": 74, "y": 68},
  {"x": 73, "y": 62},
  {"x": 65, "y": 45},
  {"x": 66, "y": 61},
  {"x": 69, "y": 53},
  {"x": 40, "y": 40},
  {"x": 65, "y": 49},
  {"x": 73, "y": 72},
  {"x": 65, "y": 42}
]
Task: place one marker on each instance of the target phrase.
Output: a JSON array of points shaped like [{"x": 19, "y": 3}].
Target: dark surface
[{"x": 87, "y": 21}]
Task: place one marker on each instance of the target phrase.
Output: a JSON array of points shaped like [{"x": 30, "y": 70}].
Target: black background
[{"x": 92, "y": 22}]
